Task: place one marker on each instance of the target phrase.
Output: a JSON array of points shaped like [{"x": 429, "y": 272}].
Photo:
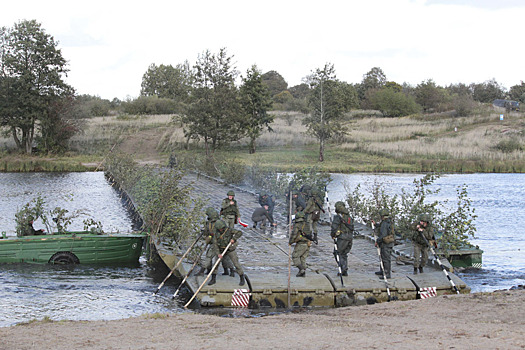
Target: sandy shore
[{"x": 476, "y": 321}]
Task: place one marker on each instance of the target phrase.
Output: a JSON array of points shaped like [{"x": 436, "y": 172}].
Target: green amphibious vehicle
[{"x": 72, "y": 248}]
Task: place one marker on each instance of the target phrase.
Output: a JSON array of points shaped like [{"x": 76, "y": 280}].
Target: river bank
[{"x": 479, "y": 320}]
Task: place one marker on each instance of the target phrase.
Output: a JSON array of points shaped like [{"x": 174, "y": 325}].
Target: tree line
[{"x": 217, "y": 104}]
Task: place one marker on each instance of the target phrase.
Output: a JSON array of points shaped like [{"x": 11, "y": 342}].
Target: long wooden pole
[
  {"x": 289, "y": 250},
  {"x": 178, "y": 263},
  {"x": 209, "y": 275}
]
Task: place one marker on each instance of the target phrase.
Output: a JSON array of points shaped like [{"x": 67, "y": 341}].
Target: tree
[
  {"x": 328, "y": 105},
  {"x": 374, "y": 79},
  {"x": 31, "y": 70},
  {"x": 488, "y": 91},
  {"x": 392, "y": 103},
  {"x": 431, "y": 97},
  {"x": 166, "y": 81},
  {"x": 255, "y": 102},
  {"x": 275, "y": 82},
  {"x": 517, "y": 92},
  {"x": 214, "y": 112}
]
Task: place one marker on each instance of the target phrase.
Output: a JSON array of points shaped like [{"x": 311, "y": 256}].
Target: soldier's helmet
[
  {"x": 424, "y": 218},
  {"x": 220, "y": 225},
  {"x": 384, "y": 212},
  {"x": 210, "y": 211},
  {"x": 230, "y": 193},
  {"x": 299, "y": 216},
  {"x": 263, "y": 194},
  {"x": 339, "y": 205}
]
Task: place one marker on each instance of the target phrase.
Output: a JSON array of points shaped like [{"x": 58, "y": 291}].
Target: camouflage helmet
[
  {"x": 384, "y": 212},
  {"x": 220, "y": 225},
  {"x": 339, "y": 205},
  {"x": 424, "y": 218},
  {"x": 262, "y": 194},
  {"x": 210, "y": 211},
  {"x": 231, "y": 193},
  {"x": 299, "y": 216}
]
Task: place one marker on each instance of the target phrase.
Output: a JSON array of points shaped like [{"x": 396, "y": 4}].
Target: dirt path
[{"x": 475, "y": 321}]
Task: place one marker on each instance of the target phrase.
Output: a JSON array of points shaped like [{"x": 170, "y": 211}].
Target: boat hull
[{"x": 83, "y": 248}]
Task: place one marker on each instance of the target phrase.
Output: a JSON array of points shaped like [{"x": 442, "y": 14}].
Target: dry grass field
[{"x": 481, "y": 143}]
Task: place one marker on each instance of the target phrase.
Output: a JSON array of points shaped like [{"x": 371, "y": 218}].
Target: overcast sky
[{"x": 110, "y": 44}]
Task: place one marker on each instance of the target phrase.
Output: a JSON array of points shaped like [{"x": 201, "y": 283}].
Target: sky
[{"x": 110, "y": 44}]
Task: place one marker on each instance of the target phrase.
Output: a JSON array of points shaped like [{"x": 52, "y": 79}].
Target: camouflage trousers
[
  {"x": 420, "y": 255},
  {"x": 343, "y": 248},
  {"x": 207, "y": 262},
  {"x": 229, "y": 220},
  {"x": 301, "y": 251},
  {"x": 232, "y": 255}
]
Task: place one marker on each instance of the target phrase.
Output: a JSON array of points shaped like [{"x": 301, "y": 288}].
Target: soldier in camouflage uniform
[
  {"x": 267, "y": 200},
  {"x": 208, "y": 232},
  {"x": 302, "y": 238},
  {"x": 342, "y": 230},
  {"x": 229, "y": 209},
  {"x": 222, "y": 236},
  {"x": 385, "y": 241},
  {"x": 425, "y": 228},
  {"x": 314, "y": 205}
]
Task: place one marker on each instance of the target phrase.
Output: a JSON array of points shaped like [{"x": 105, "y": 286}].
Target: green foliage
[
  {"x": 275, "y": 82},
  {"x": 517, "y": 92},
  {"x": 92, "y": 106},
  {"x": 455, "y": 225},
  {"x": 93, "y": 226},
  {"x": 374, "y": 79},
  {"x": 509, "y": 146},
  {"x": 392, "y": 103},
  {"x": 31, "y": 71},
  {"x": 431, "y": 97},
  {"x": 464, "y": 105},
  {"x": 151, "y": 105},
  {"x": 166, "y": 81},
  {"x": 328, "y": 103},
  {"x": 255, "y": 103},
  {"x": 488, "y": 91},
  {"x": 30, "y": 211},
  {"x": 36, "y": 208},
  {"x": 164, "y": 204},
  {"x": 214, "y": 112}
]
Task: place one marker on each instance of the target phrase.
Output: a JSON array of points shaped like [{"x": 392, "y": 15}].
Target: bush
[
  {"x": 509, "y": 146},
  {"x": 152, "y": 105}
]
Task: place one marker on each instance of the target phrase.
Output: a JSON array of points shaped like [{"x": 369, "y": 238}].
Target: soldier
[
  {"x": 222, "y": 236},
  {"x": 208, "y": 232},
  {"x": 29, "y": 230},
  {"x": 342, "y": 231},
  {"x": 302, "y": 238},
  {"x": 261, "y": 215},
  {"x": 313, "y": 210},
  {"x": 298, "y": 202},
  {"x": 422, "y": 227},
  {"x": 385, "y": 241},
  {"x": 266, "y": 199},
  {"x": 230, "y": 210}
]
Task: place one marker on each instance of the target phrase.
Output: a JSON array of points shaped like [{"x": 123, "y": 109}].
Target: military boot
[
  {"x": 201, "y": 272},
  {"x": 315, "y": 238},
  {"x": 241, "y": 280},
  {"x": 379, "y": 273},
  {"x": 421, "y": 269},
  {"x": 213, "y": 280},
  {"x": 301, "y": 273},
  {"x": 415, "y": 270},
  {"x": 232, "y": 272},
  {"x": 345, "y": 273},
  {"x": 225, "y": 273}
]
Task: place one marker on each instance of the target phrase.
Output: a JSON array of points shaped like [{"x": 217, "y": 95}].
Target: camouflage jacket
[
  {"x": 342, "y": 227},
  {"x": 300, "y": 229},
  {"x": 221, "y": 240},
  {"x": 229, "y": 209}
]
